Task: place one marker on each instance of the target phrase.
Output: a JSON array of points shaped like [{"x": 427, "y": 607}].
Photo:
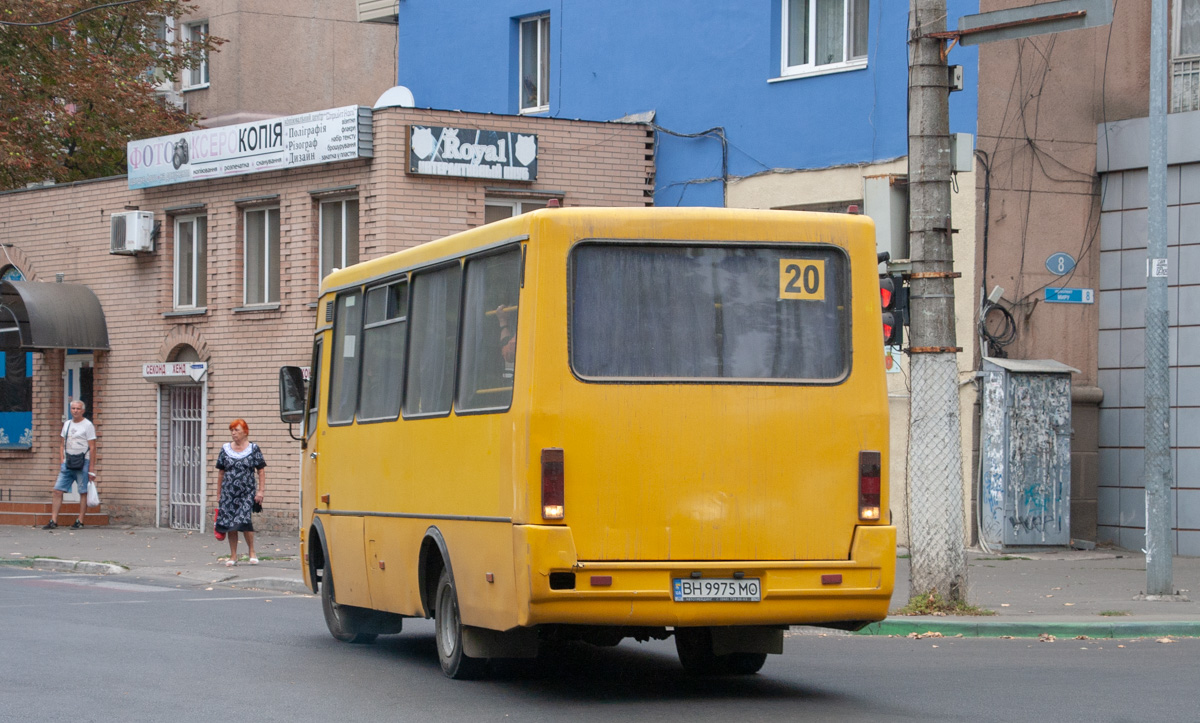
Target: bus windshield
[{"x": 711, "y": 312}]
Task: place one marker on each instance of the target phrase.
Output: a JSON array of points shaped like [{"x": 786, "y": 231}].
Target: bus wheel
[
  {"x": 695, "y": 648},
  {"x": 448, "y": 627},
  {"x": 342, "y": 620}
]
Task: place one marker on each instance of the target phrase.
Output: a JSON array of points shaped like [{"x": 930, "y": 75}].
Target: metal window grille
[{"x": 1185, "y": 85}]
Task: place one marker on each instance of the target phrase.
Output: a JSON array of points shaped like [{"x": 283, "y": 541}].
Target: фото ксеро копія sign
[{"x": 323, "y": 136}]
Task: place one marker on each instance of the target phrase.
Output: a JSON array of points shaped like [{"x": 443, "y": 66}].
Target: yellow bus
[{"x": 587, "y": 424}]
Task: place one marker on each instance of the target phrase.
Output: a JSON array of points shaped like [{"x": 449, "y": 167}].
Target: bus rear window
[{"x": 770, "y": 313}]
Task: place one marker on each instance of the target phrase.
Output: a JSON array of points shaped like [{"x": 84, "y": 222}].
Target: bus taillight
[
  {"x": 868, "y": 485},
  {"x": 552, "y": 484}
]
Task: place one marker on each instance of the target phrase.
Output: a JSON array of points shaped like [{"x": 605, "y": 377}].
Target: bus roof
[{"x": 716, "y": 224}]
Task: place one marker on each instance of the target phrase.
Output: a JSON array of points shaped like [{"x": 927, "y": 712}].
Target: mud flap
[
  {"x": 747, "y": 639},
  {"x": 486, "y": 643}
]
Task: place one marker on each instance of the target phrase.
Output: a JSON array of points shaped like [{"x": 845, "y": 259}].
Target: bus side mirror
[{"x": 291, "y": 395}]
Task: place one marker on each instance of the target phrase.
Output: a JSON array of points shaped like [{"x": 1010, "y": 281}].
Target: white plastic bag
[
  {"x": 93, "y": 495},
  {"x": 73, "y": 495}
]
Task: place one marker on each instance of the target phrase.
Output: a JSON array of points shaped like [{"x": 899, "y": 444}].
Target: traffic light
[{"x": 893, "y": 299}]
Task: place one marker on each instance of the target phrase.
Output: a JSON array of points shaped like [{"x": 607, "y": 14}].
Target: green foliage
[
  {"x": 933, "y": 603},
  {"x": 74, "y": 92}
]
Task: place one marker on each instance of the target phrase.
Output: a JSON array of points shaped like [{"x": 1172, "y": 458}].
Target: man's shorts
[{"x": 78, "y": 476}]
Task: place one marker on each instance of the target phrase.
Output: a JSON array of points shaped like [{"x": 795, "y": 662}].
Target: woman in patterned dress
[{"x": 239, "y": 488}]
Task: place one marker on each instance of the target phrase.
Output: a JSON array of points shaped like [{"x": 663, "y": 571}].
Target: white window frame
[
  {"x": 163, "y": 83},
  {"x": 810, "y": 67},
  {"x": 1177, "y": 29},
  {"x": 543, "y": 63},
  {"x": 339, "y": 263},
  {"x": 269, "y": 285},
  {"x": 197, "y": 271},
  {"x": 190, "y": 32}
]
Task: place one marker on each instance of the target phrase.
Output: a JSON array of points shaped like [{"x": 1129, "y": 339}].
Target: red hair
[{"x": 239, "y": 423}]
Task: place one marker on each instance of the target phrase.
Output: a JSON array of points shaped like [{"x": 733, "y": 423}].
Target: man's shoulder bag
[{"x": 75, "y": 461}]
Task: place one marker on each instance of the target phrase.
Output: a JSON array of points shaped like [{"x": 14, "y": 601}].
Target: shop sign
[
  {"x": 324, "y": 136},
  {"x": 472, "y": 153},
  {"x": 174, "y": 372}
]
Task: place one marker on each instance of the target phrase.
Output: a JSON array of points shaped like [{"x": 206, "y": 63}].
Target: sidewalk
[
  {"x": 189, "y": 558},
  {"x": 1055, "y": 591}
]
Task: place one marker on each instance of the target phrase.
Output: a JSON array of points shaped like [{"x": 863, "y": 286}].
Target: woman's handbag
[{"x": 216, "y": 533}]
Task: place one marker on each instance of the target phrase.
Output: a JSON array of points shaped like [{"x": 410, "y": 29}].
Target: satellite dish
[{"x": 395, "y": 97}]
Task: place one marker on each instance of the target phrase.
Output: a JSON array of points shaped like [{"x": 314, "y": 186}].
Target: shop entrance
[{"x": 184, "y": 438}]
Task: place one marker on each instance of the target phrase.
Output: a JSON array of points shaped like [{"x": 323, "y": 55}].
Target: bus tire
[
  {"x": 449, "y": 633},
  {"x": 695, "y": 649},
  {"x": 344, "y": 622}
]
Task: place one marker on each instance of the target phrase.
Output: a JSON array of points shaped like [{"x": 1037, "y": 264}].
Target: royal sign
[
  {"x": 472, "y": 153},
  {"x": 325, "y": 136}
]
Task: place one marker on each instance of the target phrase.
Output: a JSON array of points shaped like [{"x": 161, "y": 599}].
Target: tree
[{"x": 77, "y": 82}]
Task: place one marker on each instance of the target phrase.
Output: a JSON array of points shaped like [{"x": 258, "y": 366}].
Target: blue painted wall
[{"x": 696, "y": 63}]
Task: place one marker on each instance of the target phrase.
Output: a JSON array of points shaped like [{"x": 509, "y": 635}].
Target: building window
[
  {"x": 535, "y": 64},
  {"x": 16, "y": 384},
  {"x": 262, "y": 256},
  {"x": 196, "y": 76},
  {"x": 164, "y": 37},
  {"x": 191, "y": 262},
  {"x": 339, "y": 235},
  {"x": 498, "y": 209},
  {"x": 824, "y": 35},
  {"x": 1185, "y": 56}
]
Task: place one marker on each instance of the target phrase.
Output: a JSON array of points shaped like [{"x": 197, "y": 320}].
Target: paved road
[{"x": 83, "y": 647}]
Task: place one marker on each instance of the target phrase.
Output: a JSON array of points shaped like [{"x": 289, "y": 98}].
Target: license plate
[{"x": 717, "y": 590}]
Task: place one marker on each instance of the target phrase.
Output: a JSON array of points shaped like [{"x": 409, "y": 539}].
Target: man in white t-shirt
[{"x": 79, "y": 437}]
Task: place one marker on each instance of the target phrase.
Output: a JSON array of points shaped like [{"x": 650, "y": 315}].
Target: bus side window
[
  {"x": 383, "y": 351},
  {"x": 314, "y": 389},
  {"x": 489, "y": 338},
  {"x": 343, "y": 364},
  {"x": 429, "y": 377}
]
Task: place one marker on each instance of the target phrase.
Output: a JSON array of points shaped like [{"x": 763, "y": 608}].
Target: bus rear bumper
[{"x": 562, "y": 590}]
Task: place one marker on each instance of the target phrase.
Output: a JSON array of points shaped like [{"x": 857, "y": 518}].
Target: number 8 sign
[{"x": 802, "y": 279}]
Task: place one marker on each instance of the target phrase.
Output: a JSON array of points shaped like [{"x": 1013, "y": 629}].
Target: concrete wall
[
  {"x": 65, "y": 229},
  {"x": 284, "y": 57}
]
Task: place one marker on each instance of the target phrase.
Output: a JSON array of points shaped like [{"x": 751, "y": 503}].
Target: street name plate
[{"x": 1070, "y": 296}]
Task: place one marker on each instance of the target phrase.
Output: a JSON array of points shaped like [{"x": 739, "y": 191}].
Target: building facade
[
  {"x": 1064, "y": 142},
  {"x": 279, "y": 59},
  {"x": 199, "y": 324}
]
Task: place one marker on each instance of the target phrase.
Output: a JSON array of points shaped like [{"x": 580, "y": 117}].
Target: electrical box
[
  {"x": 962, "y": 152},
  {"x": 1025, "y": 453},
  {"x": 885, "y": 201},
  {"x": 131, "y": 232}
]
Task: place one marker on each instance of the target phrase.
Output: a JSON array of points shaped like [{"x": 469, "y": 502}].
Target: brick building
[{"x": 200, "y": 297}]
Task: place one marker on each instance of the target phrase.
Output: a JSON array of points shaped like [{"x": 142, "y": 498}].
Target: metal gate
[{"x": 185, "y": 440}]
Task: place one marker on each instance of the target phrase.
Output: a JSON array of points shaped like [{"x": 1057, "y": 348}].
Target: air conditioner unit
[{"x": 132, "y": 232}]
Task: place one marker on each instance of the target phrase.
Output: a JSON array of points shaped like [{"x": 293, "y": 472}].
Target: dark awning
[{"x": 36, "y": 315}]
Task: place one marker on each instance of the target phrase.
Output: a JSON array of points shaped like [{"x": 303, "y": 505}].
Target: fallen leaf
[
  {"x": 1164, "y": 640},
  {"x": 1081, "y": 637},
  {"x": 1004, "y": 605},
  {"x": 1056, "y": 588},
  {"x": 1068, "y": 604},
  {"x": 1049, "y": 596},
  {"x": 1046, "y": 638}
]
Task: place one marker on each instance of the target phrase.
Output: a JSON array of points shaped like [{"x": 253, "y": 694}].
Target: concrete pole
[
  {"x": 938, "y": 562},
  {"x": 1158, "y": 438}
]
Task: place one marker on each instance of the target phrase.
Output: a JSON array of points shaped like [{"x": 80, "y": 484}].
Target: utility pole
[
  {"x": 1158, "y": 441},
  {"x": 938, "y": 562}
]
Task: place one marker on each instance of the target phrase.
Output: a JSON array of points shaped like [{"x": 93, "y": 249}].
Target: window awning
[{"x": 36, "y": 315}]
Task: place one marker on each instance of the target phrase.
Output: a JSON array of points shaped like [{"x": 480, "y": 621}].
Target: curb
[
  {"x": 50, "y": 563},
  {"x": 951, "y": 628},
  {"x": 275, "y": 584}
]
